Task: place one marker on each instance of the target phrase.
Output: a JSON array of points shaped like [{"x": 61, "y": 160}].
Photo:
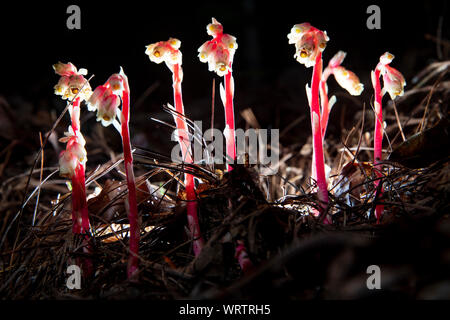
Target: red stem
[
  {"x": 317, "y": 133},
  {"x": 378, "y": 138},
  {"x": 183, "y": 134},
  {"x": 324, "y": 101},
  {"x": 80, "y": 215},
  {"x": 229, "y": 119},
  {"x": 133, "y": 218}
]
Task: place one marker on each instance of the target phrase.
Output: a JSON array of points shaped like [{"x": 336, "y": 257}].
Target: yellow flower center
[
  {"x": 223, "y": 67},
  {"x": 106, "y": 117},
  {"x": 231, "y": 46},
  {"x": 75, "y": 90},
  {"x": 304, "y": 53},
  {"x": 157, "y": 53}
]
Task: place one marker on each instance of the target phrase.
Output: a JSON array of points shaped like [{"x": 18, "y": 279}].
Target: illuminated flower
[
  {"x": 214, "y": 28},
  {"x": 67, "y": 69},
  {"x": 96, "y": 97},
  {"x": 67, "y": 164},
  {"x": 386, "y": 58},
  {"x": 298, "y": 31},
  {"x": 308, "y": 41},
  {"x": 107, "y": 108},
  {"x": 218, "y": 52},
  {"x": 165, "y": 51},
  {"x": 348, "y": 80},
  {"x": 72, "y": 82},
  {"x": 116, "y": 83},
  {"x": 394, "y": 82},
  {"x": 105, "y": 101},
  {"x": 205, "y": 50}
]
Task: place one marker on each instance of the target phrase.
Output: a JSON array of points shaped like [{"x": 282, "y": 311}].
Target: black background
[{"x": 268, "y": 79}]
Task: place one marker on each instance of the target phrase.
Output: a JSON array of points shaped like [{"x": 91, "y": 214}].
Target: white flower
[
  {"x": 308, "y": 41},
  {"x": 394, "y": 82},
  {"x": 116, "y": 84},
  {"x": 72, "y": 82},
  {"x": 348, "y": 80},
  {"x": 386, "y": 58},
  {"x": 67, "y": 164},
  {"x": 298, "y": 31},
  {"x": 214, "y": 28},
  {"x": 205, "y": 50},
  {"x": 107, "y": 108},
  {"x": 229, "y": 42},
  {"x": 165, "y": 51},
  {"x": 218, "y": 52},
  {"x": 156, "y": 52},
  {"x": 65, "y": 69},
  {"x": 96, "y": 97}
]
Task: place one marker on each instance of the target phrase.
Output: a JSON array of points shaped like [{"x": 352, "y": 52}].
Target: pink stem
[
  {"x": 230, "y": 139},
  {"x": 242, "y": 256},
  {"x": 324, "y": 102},
  {"x": 183, "y": 133},
  {"x": 378, "y": 138},
  {"x": 229, "y": 119},
  {"x": 317, "y": 133},
  {"x": 133, "y": 218},
  {"x": 80, "y": 215}
]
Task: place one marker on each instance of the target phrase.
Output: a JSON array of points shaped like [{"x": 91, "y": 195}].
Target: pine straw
[{"x": 294, "y": 255}]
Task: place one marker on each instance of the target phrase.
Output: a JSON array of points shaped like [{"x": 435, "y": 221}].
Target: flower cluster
[
  {"x": 167, "y": 51},
  {"x": 393, "y": 80},
  {"x": 74, "y": 154},
  {"x": 72, "y": 82},
  {"x": 106, "y": 99},
  {"x": 345, "y": 78},
  {"x": 218, "y": 52},
  {"x": 308, "y": 41}
]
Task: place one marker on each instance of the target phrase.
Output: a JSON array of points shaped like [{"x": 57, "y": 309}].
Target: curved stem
[{"x": 133, "y": 261}]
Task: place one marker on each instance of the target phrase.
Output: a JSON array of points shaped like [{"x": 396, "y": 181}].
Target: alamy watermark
[
  {"x": 74, "y": 279},
  {"x": 253, "y": 147},
  {"x": 374, "y": 280}
]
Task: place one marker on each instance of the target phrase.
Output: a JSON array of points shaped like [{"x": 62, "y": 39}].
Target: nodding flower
[
  {"x": 309, "y": 41},
  {"x": 106, "y": 99},
  {"x": 74, "y": 154},
  {"x": 348, "y": 80},
  {"x": 393, "y": 80},
  {"x": 106, "y": 103},
  {"x": 165, "y": 51},
  {"x": 344, "y": 77},
  {"x": 72, "y": 82},
  {"x": 218, "y": 52}
]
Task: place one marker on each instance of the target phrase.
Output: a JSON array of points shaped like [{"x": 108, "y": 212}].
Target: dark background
[{"x": 268, "y": 79}]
